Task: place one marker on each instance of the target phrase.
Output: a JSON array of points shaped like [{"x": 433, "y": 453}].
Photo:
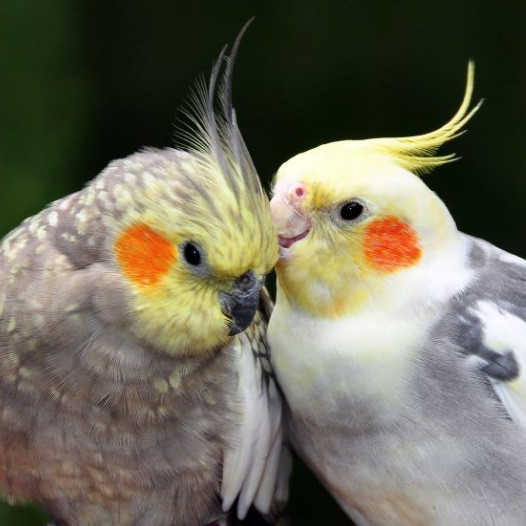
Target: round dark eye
[
  {"x": 192, "y": 254},
  {"x": 351, "y": 210}
]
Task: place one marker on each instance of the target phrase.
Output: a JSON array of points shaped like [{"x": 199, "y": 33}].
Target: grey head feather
[{"x": 212, "y": 134}]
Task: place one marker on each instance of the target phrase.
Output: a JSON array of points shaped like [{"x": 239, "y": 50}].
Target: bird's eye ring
[
  {"x": 351, "y": 210},
  {"x": 192, "y": 255}
]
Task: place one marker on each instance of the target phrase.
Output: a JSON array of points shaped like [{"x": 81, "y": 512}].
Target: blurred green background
[{"x": 85, "y": 82}]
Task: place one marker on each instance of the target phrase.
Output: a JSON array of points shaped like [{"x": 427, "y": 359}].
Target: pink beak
[{"x": 288, "y": 214}]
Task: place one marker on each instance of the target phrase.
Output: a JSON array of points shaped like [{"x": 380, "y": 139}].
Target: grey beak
[{"x": 240, "y": 305}]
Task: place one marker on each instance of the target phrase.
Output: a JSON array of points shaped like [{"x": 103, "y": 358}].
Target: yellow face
[
  {"x": 182, "y": 264},
  {"x": 349, "y": 218}
]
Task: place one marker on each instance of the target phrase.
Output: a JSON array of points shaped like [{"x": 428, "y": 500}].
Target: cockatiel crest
[{"x": 417, "y": 153}]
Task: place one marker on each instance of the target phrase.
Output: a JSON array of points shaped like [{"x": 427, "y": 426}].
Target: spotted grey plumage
[{"x": 124, "y": 399}]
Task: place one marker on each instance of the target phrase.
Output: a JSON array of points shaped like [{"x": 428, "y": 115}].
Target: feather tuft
[
  {"x": 210, "y": 131},
  {"x": 417, "y": 153}
]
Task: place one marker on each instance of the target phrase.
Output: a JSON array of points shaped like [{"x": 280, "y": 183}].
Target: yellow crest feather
[{"x": 416, "y": 153}]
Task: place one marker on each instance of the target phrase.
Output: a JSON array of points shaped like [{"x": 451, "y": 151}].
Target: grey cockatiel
[
  {"x": 133, "y": 388},
  {"x": 399, "y": 342}
]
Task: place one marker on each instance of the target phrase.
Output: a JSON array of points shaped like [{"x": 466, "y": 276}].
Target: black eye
[
  {"x": 351, "y": 210},
  {"x": 192, "y": 254}
]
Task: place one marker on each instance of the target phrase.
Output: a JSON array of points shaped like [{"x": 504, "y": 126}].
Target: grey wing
[
  {"x": 54, "y": 300},
  {"x": 490, "y": 323}
]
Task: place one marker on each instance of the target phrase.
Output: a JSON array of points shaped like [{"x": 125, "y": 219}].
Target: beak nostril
[
  {"x": 245, "y": 280},
  {"x": 297, "y": 191}
]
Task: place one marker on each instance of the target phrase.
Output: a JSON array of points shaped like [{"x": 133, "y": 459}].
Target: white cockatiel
[{"x": 399, "y": 342}]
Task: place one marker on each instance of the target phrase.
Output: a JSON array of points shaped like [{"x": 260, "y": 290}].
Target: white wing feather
[
  {"x": 504, "y": 332},
  {"x": 253, "y": 457}
]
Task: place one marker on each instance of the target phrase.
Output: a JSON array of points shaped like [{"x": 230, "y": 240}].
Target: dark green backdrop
[{"x": 84, "y": 82}]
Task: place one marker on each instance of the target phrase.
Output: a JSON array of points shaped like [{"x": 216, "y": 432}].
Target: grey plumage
[
  {"x": 451, "y": 450},
  {"x": 123, "y": 399}
]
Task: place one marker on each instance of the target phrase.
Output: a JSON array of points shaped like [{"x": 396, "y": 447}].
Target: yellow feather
[{"x": 416, "y": 153}]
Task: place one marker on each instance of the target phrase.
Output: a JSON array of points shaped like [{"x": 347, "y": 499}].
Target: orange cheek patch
[
  {"x": 390, "y": 244},
  {"x": 144, "y": 255}
]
